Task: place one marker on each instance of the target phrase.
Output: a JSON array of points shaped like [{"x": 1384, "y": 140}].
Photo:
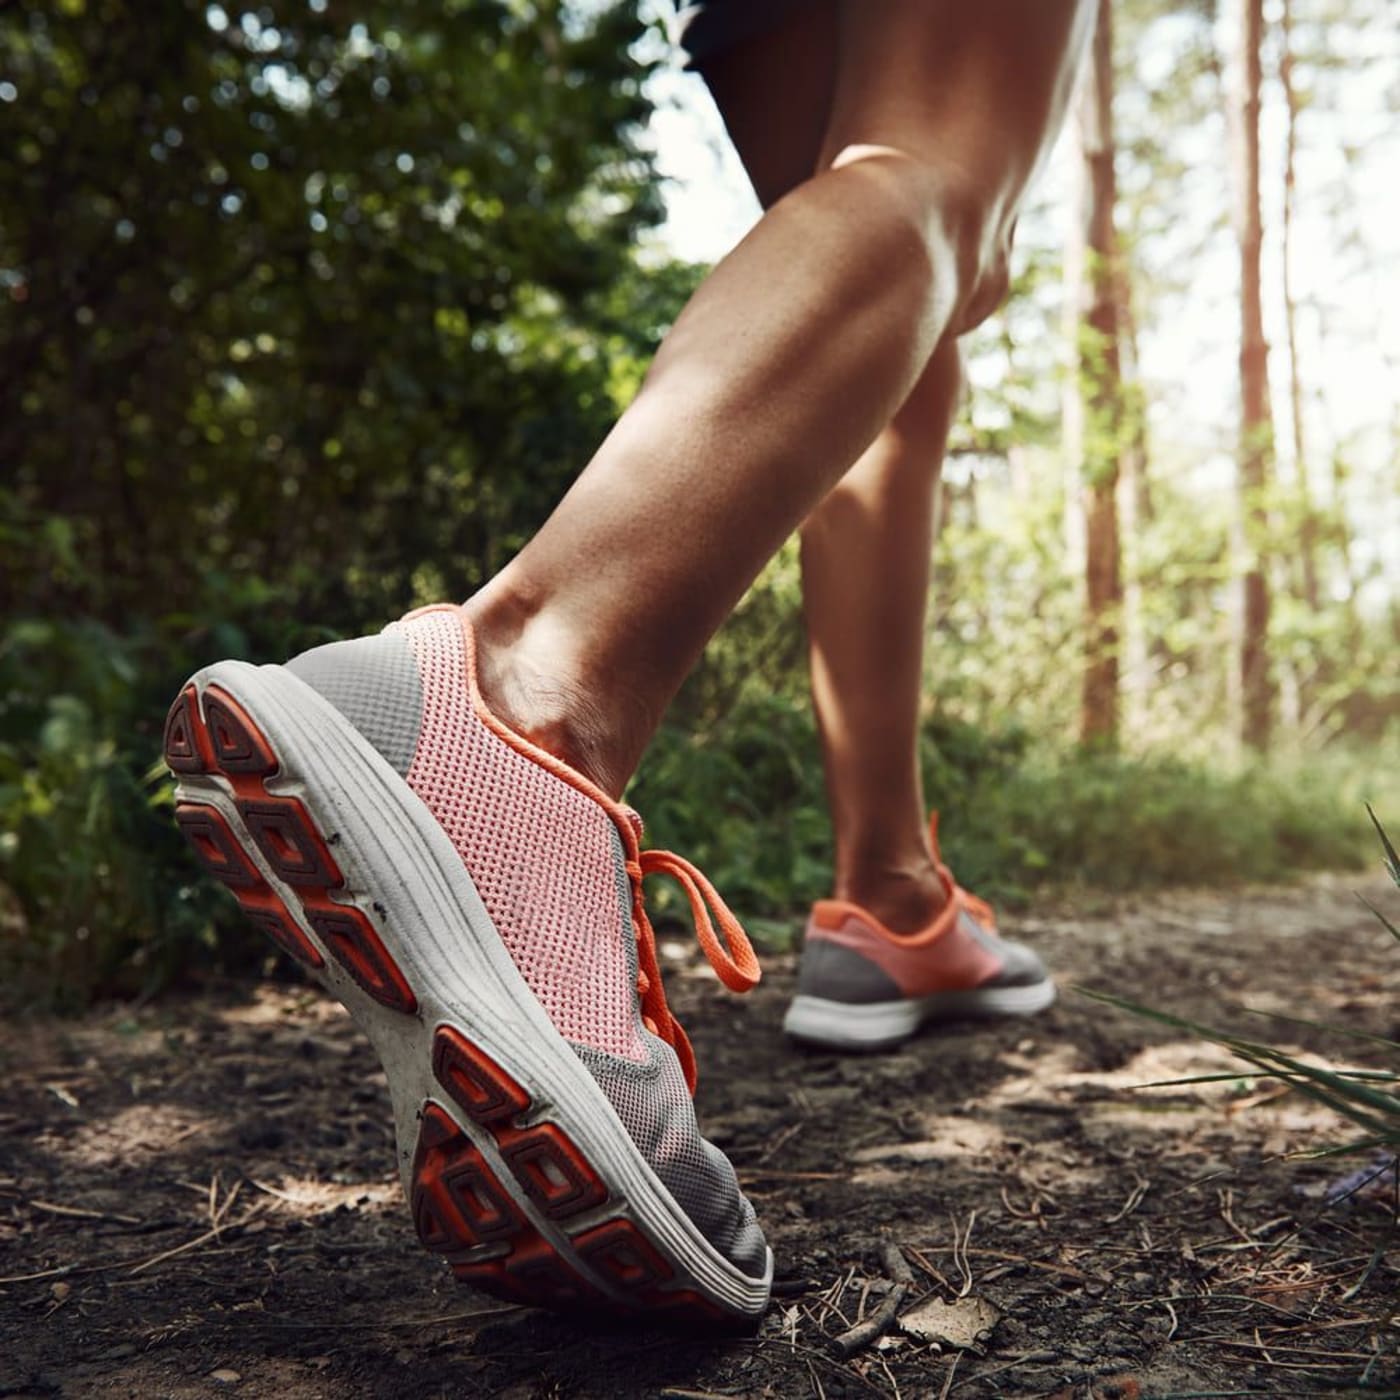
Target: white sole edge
[
  {"x": 439, "y": 934},
  {"x": 853, "y": 1026}
]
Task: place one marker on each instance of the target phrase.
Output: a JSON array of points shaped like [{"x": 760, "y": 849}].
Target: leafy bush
[
  {"x": 746, "y": 801},
  {"x": 98, "y": 894}
]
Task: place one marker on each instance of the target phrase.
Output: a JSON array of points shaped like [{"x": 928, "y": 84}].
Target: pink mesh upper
[{"x": 541, "y": 853}]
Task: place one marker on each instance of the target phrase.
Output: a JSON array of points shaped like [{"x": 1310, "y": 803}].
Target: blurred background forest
[{"x": 312, "y": 310}]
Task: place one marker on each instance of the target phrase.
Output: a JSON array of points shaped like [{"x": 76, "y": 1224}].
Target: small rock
[{"x": 223, "y": 1376}]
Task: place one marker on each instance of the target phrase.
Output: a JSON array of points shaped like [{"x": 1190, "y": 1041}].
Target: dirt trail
[{"x": 199, "y": 1192}]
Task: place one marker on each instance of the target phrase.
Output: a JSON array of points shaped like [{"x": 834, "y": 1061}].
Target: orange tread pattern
[
  {"x": 218, "y": 736},
  {"x": 557, "y": 1179},
  {"x": 543, "y": 1158},
  {"x": 459, "y": 1206}
]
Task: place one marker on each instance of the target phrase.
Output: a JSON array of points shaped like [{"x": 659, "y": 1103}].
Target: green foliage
[
  {"x": 307, "y": 294},
  {"x": 99, "y": 894},
  {"x": 311, "y": 314},
  {"x": 745, "y": 800}
]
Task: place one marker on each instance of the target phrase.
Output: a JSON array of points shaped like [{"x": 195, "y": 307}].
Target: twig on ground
[
  {"x": 78, "y": 1213},
  {"x": 856, "y": 1338},
  {"x": 1226, "y": 1197},
  {"x": 948, "y": 1379},
  {"x": 61, "y": 1271},
  {"x": 134, "y": 1265},
  {"x": 780, "y": 1141},
  {"x": 208, "y": 1235},
  {"x": 960, "y": 1251},
  {"x": 889, "y": 1376},
  {"x": 1078, "y": 1275},
  {"x": 846, "y": 1373},
  {"x": 1135, "y": 1198},
  {"x": 748, "y": 1175},
  {"x": 922, "y": 1261},
  {"x": 1026, "y": 1358},
  {"x": 830, "y": 1301},
  {"x": 218, "y": 1210},
  {"x": 896, "y": 1265},
  {"x": 1031, "y": 1212}
]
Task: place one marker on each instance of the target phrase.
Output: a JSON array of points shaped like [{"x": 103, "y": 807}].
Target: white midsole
[
  {"x": 393, "y": 852},
  {"x": 866, "y": 1026}
]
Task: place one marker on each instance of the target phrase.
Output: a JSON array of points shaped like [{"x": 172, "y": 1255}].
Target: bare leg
[
  {"x": 782, "y": 370},
  {"x": 865, "y": 574},
  {"x": 866, "y": 548}
]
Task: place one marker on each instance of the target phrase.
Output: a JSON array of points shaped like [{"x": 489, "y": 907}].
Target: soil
[{"x": 196, "y": 1195}]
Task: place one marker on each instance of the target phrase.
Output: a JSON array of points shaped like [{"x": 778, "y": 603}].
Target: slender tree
[
  {"x": 1307, "y": 540},
  {"x": 1135, "y": 508},
  {"x": 1256, "y": 419},
  {"x": 1099, "y": 392}
]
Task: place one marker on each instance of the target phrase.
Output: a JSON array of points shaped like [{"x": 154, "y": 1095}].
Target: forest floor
[{"x": 196, "y": 1196}]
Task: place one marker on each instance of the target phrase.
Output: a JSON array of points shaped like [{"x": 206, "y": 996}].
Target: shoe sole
[
  {"x": 845, "y": 1025},
  {"x": 514, "y": 1164}
]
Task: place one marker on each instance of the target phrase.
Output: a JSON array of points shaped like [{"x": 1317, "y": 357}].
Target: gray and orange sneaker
[
  {"x": 862, "y": 987},
  {"x": 477, "y": 906}
]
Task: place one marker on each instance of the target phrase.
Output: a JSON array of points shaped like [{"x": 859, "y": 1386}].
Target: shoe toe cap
[{"x": 1021, "y": 966}]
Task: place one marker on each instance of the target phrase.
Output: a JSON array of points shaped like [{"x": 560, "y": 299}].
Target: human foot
[
  {"x": 476, "y": 904},
  {"x": 862, "y": 986}
]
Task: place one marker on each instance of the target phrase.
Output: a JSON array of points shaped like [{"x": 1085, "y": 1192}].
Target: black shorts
[{"x": 709, "y": 27}]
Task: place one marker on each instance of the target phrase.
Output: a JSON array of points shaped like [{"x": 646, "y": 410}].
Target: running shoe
[
  {"x": 477, "y": 906},
  {"x": 862, "y": 987}
]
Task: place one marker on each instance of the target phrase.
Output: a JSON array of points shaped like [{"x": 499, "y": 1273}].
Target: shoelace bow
[{"x": 728, "y": 948}]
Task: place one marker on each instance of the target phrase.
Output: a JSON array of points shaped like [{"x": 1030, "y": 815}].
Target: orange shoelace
[{"x": 727, "y": 947}]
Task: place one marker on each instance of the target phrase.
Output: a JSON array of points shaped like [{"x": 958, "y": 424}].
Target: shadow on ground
[{"x": 196, "y": 1198}]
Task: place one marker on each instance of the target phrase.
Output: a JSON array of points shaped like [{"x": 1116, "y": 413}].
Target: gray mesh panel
[
  {"x": 837, "y": 973},
  {"x": 656, "y": 1109},
  {"x": 1020, "y": 966},
  {"x": 374, "y": 683}
]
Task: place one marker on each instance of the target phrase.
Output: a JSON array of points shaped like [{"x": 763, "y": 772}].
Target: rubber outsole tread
[{"x": 460, "y": 1205}]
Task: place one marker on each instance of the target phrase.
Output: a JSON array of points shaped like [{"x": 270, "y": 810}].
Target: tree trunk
[
  {"x": 1135, "y": 512},
  {"x": 1256, "y": 422},
  {"x": 1307, "y": 524},
  {"x": 1100, "y": 392}
]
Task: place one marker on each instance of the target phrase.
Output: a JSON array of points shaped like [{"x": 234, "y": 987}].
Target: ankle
[
  {"x": 904, "y": 898},
  {"x": 534, "y": 677}
]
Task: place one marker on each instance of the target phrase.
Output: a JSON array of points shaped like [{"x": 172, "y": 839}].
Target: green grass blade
[
  {"x": 1231, "y": 1077},
  {"x": 1352, "y": 1100},
  {"x": 1393, "y": 931},
  {"x": 1392, "y": 861},
  {"x": 1337, "y": 1081},
  {"x": 1347, "y": 1148},
  {"x": 1161, "y": 1017},
  {"x": 1348, "y": 1100},
  {"x": 1348, "y": 1109},
  {"x": 1324, "y": 1026},
  {"x": 1383, "y": 1076}
]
